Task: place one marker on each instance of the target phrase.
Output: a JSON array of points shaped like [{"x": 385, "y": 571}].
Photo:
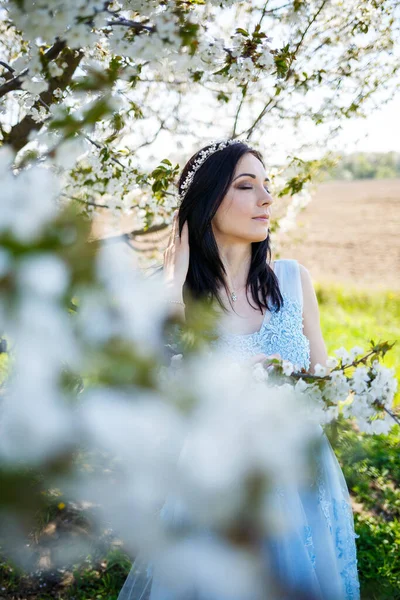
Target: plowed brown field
[{"x": 350, "y": 233}]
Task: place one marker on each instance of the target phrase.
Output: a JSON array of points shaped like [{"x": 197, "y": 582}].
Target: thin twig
[
  {"x": 391, "y": 414},
  {"x": 244, "y": 91},
  {"x": 100, "y": 146},
  {"x": 89, "y": 202},
  {"x": 133, "y": 24},
  {"x": 288, "y": 72}
]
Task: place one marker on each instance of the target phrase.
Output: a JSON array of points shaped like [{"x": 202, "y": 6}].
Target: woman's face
[{"x": 246, "y": 199}]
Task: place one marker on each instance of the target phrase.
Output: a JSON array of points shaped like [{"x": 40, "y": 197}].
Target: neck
[{"x": 236, "y": 260}]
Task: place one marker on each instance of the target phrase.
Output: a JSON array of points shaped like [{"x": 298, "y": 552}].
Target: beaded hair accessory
[{"x": 215, "y": 146}]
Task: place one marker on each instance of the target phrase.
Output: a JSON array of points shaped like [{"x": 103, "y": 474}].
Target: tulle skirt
[{"x": 314, "y": 556}]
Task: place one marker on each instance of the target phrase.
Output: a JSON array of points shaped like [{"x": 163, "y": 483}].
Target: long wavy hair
[{"x": 206, "y": 271}]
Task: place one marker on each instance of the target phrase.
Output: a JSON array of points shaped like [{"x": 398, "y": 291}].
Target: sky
[{"x": 380, "y": 132}]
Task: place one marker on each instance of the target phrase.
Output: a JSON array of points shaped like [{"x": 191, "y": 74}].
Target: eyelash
[{"x": 250, "y": 188}]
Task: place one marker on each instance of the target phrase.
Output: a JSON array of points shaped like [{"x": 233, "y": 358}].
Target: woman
[{"x": 225, "y": 212}]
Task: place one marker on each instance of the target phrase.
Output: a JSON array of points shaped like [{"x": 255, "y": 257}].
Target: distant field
[{"x": 350, "y": 233}]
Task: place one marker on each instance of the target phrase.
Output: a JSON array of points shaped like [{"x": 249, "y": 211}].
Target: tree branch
[
  {"x": 18, "y": 136},
  {"x": 15, "y": 82},
  {"x": 7, "y": 66},
  {"x": 55, "y": 50},
  {"x": 12, "y": 84}
]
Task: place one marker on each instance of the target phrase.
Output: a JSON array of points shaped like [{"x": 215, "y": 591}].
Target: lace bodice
[{"x": 282, "y": 332}]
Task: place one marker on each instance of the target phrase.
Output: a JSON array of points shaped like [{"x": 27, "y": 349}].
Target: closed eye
[{"x": 242, "y": 187}]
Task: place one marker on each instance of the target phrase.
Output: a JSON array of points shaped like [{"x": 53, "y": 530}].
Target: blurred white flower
[
  {"x": 259, "y": 373},
  {"x": 343, "y": 355},
  {"x": 332, "y": 362},
  {"x": 28, "y": 202},
  {"x": 142, "y": 303},
  {"x": 287, "y": 367},
  {"x": 139, "y": 427},
  {"x": 356, "y": 351},
  {"x": 35, "y": 425},
  {"x": 43, "y": 274},
  {"x": 211, "y": 567},
  {"x": 266, "y": 59},
  {"x": 68, "y": 152},
  {"x": 320, "y": 371},
  {"x": 229, "y": 437}
]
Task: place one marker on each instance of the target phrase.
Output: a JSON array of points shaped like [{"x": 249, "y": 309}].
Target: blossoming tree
[
  {"x": 96, "y": 86},
  {"x": 88, "y": 88}
]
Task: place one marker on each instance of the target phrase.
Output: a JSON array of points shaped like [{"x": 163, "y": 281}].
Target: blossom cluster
[{"x": 366, "y": 394}]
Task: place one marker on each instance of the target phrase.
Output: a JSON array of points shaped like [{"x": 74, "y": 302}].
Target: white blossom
[
  {"x": 287, "y": 367},
  {"x": 320, "y": 371},
  {"x": 34, "y": 86},
  {"x": 38, "y": 114},
  {"x": 54, "y": 69},
  {"x": 343, "y": 355},
  {"x": 266, "y": 59},
  {"x": 259, "y": 373},
  {"x": 356, "y": 351},
  {"x": 359, "y": 380},
  {"x": 332, "y": 362}
]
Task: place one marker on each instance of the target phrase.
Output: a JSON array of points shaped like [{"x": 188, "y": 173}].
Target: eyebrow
[{"x": 250, "y": 175}]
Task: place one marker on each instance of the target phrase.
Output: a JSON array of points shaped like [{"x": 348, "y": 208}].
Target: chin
[{"x": 260, "y": 237}]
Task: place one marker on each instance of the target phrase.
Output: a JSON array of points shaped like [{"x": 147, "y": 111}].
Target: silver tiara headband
[{"x": 215, "y": 146}]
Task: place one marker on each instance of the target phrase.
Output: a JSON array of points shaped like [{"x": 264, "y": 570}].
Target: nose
[{"x": 265, "y": 198}]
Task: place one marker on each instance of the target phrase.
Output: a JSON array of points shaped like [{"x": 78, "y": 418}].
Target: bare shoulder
[
  {"x": 304, "y": 274},
  {"x": 309, "y": 295},
  {"x": 311, "y": 320}
]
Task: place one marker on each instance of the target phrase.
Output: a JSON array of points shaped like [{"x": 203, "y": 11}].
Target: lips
[{"x": 263, "y": 218}]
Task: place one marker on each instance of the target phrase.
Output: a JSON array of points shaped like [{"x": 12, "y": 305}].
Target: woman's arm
[{"x": 311, "y": 322}]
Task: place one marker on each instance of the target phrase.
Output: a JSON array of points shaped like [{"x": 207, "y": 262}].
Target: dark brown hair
[{"x": 199, "y": 205}]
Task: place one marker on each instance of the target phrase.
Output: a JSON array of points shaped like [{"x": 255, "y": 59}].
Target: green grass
[
  {"x": 351, "y": 317},
  {"x": 371, "y": 464},
  {"x": 96, "y": 577}
]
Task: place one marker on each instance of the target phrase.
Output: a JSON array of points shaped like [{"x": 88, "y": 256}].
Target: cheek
[
  {"x": 240, "y": 204},
  {"x": 232, "y": 211}
]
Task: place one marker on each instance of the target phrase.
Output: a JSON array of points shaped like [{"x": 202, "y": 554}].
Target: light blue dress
[{"x": 316, "y": 557}]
